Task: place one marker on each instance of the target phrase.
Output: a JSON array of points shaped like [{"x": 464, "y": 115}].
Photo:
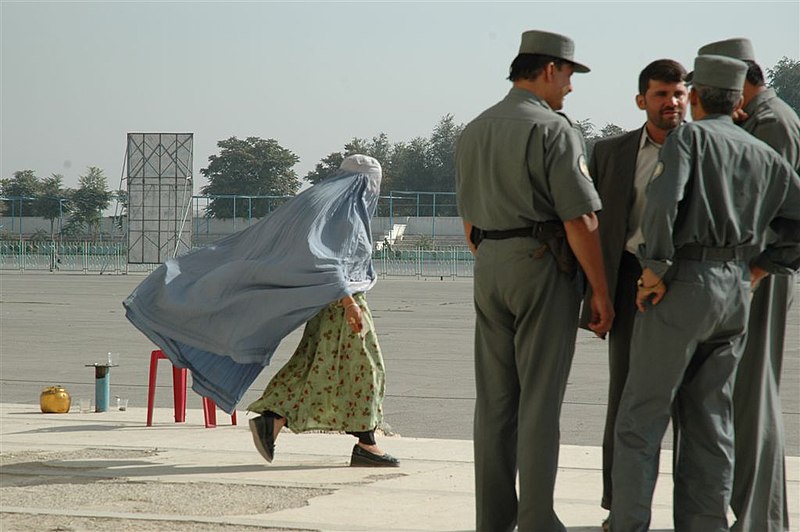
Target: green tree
[
  {"x": 89, "y": 201},
  {"x": 24, "y": 184},
  {"x": 610, "y": 130},
  {"x": 121, "y": 196},
  {"x": 784, "y": 77},
  {"x": 422, "y": 164},
  {"x": 325, "y": 168},
  {"x": 379, "y": 147},
  {"x": 411, "y": 165},
  {"x": 428, "y": 164},
  {"x": 53, "y": 203},
  {"x": 591, "y": 135},
  {"x": 441, "y": 154},
  {"x": 250, "y": 167}
]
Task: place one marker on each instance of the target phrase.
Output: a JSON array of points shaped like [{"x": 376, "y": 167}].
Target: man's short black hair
[
  {"x": 754, "y": 74},
  {"x": 665, "y": 70},
  {"x": 717, "y": 101},
  {"x": 529, "y": 66}
]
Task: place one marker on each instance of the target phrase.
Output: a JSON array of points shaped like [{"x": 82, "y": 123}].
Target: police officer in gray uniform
[
  {"x": 759, "y": 497},
  {"x": 714, "y": 192},
  {"x": 527, "y": 201}
]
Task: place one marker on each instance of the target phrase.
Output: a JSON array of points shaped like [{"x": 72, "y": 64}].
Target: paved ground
[
  {"x": 107, "y": 471},
  {"x": 54, "y": 324}
]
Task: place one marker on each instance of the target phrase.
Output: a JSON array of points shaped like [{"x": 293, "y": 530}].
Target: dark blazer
[{"x": 613, "y": 168}]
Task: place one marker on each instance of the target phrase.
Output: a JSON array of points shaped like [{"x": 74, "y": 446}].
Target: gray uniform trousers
[
  {"x": 685, "y": 350},
  {"x": 619, "y": 349},
  {"x": 759, "y": 487},
  {"x": 526, "y": 323}
]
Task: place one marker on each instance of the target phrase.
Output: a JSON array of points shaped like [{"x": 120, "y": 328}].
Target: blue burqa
[{"x": 222, "y": 310}]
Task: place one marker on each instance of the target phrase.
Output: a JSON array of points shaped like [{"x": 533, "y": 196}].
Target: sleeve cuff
[
  {"x": 763, "y": 262},
  {"x": 659, "y": 267},
  {"x": 576, "y": 211}
]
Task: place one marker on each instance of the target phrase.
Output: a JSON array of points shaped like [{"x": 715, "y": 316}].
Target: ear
[
  {"x": 549, "y": 71},
  {"x": 640, "y": 103},
  {"x": 740, "y": 104},
  {"x": 693, "y": 99}
]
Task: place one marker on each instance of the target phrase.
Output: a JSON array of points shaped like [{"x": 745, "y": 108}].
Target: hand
[
  {"x": 653, "y": 292},
  {"x": 602, "y": 315},
  {"x": 354, "y": 317},
  {"x": 468, "y": 236},
  {"x": 756, "y": 274},
  {"x": 740, "y": 116}
]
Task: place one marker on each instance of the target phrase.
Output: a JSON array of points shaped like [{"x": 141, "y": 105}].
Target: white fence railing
[{"x": 111, "y": 257}]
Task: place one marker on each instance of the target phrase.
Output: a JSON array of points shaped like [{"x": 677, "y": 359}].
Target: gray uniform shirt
[
  {"x": 520, "y": 162},
  {"x": 718, "y": 186},
  {"x": 773, "y": 121}
]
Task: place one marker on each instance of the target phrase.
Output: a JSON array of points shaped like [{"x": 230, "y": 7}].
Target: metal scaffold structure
[{"x": 159, "y": 184}]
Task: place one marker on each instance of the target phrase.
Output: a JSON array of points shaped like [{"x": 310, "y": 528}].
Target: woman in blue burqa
[{"x": 222, "y": 310}]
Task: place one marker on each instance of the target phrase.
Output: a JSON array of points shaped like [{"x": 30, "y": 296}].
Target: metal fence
[
  {"x": 87, "y": 257},
  {"x": 239, "y": 208},
  {"x": 447, "y": 262},
  {"x": 91, "y": 257},
  {"x": 397, "y": 203}
]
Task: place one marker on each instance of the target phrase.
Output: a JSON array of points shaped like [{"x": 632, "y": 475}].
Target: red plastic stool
[{"x": 179, "y": 394}]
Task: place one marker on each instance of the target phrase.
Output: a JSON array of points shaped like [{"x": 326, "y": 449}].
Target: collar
[
  {"x": 758, "y": 99},
  {"x": 717, "y": 117},
  {"x": 644, "y": 139},
  {"x": 522, "y": 94}
]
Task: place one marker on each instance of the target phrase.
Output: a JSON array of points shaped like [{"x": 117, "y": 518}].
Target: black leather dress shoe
[
  {"x": 363, "y": 458},
  {"x": 261, "y": 428}
]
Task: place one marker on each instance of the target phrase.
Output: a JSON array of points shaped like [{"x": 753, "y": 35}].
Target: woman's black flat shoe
[
  {"x": 261, "y": 428},
  {"x": 363, "y": 458}
]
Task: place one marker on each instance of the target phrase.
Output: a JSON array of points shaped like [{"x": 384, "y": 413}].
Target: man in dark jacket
[{"x": 622, "y": 167}]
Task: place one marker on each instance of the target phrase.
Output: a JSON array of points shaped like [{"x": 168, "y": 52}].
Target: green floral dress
[{"x": 335, "y": 378}]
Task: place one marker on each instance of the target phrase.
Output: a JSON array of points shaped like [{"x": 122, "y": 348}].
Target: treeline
[
  {"x": 82, "y": 208},
  {"x": 255, "y": 166},
  {"x": 262, "y": 167},
  {"x": 258, "y": 167}
]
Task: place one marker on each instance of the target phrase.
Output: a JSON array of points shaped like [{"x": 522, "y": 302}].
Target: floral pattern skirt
[{"x": 334, "y": 380}]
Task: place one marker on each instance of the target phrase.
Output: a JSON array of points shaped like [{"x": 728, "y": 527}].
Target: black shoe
[
  {"x": 363, "y": 458},
  {"x": 261, "y": 428}
]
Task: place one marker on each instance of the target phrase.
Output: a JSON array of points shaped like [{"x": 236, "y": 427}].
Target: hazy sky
[{"x": 78, "y": 76}]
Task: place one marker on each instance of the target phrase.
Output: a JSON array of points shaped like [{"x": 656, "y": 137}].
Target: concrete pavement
[{"x": 214, "y": 478}]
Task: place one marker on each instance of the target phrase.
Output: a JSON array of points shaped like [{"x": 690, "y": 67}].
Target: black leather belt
[
  {"x": 519, "y": 232},
  {"x": 508, "y": 233},
  {"x": 695, "y": 252}
]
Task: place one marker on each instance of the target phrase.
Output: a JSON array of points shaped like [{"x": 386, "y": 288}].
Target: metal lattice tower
[{"x": 159, "y": 196}]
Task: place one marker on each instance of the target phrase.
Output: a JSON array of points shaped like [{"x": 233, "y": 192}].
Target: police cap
[
  {"x": 719, "y": 71},
  {"x": 552, "y": 44}
]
